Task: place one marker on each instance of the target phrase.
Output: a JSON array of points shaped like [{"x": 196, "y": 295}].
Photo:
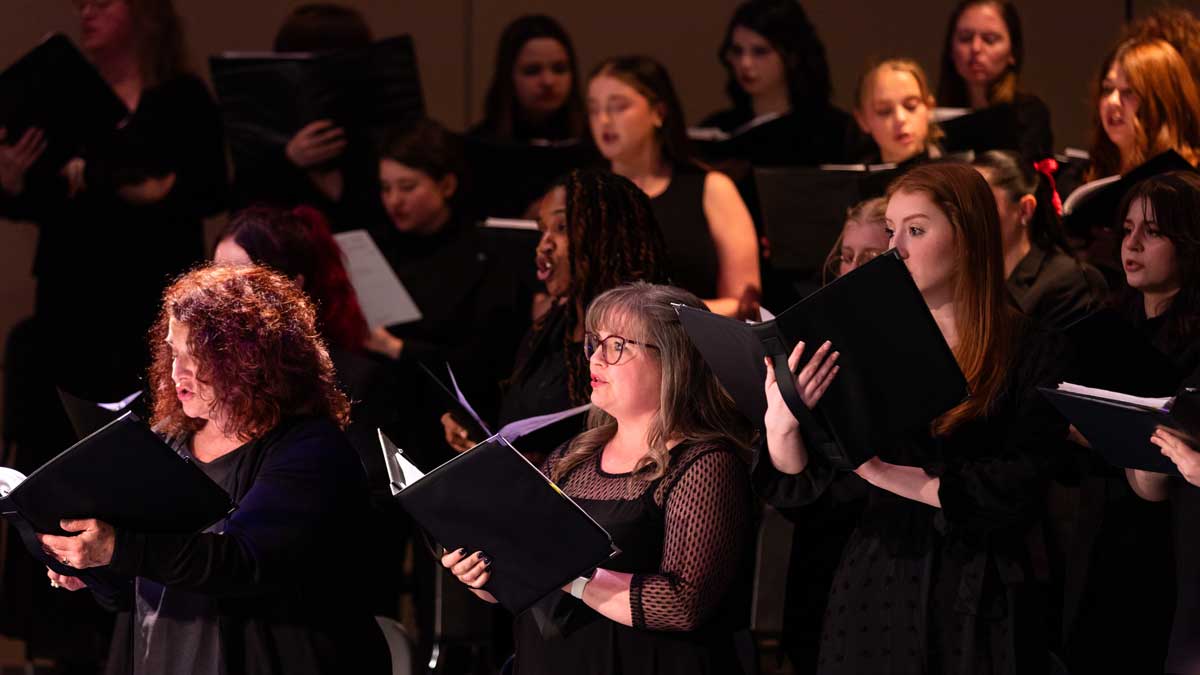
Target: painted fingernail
[{"x": 487, "y": 562}]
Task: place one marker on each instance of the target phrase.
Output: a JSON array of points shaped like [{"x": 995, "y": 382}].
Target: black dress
[
  {"x": 679, "y": 211},
  {"x": 474, "y": 305},
  {"x": 1183, "y": 652},
  {"x": 1120, "y": 560},
  {"x": 951, "y": 590},
  {"x": 1055, "y": 289},
  {"x": 685, "y": 537},
  {"x": 102, "y": 263}
]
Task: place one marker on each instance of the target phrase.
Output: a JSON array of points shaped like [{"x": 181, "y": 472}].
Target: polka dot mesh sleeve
[
  {"x": 705, "y": 497},
  {"x": 707, "y": 524}
]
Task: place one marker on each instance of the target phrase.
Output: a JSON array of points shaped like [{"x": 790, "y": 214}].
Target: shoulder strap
[{"x": 817, "y": 437}]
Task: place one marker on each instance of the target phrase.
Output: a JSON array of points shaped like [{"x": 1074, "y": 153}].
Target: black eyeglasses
[{"x": 611, "y": 348}]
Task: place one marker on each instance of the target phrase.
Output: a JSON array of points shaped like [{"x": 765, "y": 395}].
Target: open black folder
[
  {"x": 122, "y": 474},
  {"x": 56, "y": 89},
  {"x": 266, "y": 97},
  {"x": 804, "y": 208},
  {"x": 1119, "y": 426},
  {"x": 492, "y": 499},
  {"x": 897, "y": 372}
]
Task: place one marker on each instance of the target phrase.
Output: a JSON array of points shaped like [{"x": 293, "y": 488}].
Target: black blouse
[
  {"x": 101, "y": 262},
  {"x": 1055, "y": 289},
  {"x": 685, "y": 538}
]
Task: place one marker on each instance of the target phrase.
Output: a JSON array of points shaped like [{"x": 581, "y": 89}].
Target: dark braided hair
[{"x": 612, "y": 239}]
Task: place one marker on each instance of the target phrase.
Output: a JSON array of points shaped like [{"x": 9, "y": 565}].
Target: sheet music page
[
  {"x": 9, "y": 479},
  {"x": 514, "y": 430},
  {"x": 383, "y": 298},
  {"x": 1163, "y": 403},
  {"x": 118, "y": 406},
  {"x": 462, "y": 398}
]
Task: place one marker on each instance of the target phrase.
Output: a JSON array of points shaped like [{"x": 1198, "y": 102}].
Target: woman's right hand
[
  {"x": 315, "y": 144},
  {"x": 473, "y": 570},
  {"x": 16, "y": 159},
  {"x": 457, "y": 436},
  {"x": 784, "y": 442}
]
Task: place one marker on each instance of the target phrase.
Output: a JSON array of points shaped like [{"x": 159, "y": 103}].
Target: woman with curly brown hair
[{"x": 244, "y": 389}]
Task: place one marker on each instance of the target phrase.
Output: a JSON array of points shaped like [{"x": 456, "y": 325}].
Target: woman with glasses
[
  {"x": 863, "y": 237},
  {"x": 660, "y": 468}
]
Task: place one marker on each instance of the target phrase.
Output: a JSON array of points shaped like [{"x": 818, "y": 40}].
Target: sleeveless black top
[{"x": 679, "y": 211}]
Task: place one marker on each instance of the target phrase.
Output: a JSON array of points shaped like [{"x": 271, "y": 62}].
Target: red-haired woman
[
  {"x": 298, "y": 243},
  {"x": 936, "y": 576},
  {"x": 244, "y": 388}
]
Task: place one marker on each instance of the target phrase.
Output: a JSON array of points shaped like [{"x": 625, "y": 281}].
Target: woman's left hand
[
  {"x": 1186, "y": 459},
  {"x": 92, "y": 547}
]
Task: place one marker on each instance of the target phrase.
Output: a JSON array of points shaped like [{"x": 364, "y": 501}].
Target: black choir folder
[
  {"x": 897, "y": 372},
  {"x": 56, "y": 89},
  {"x": 266, "y": 97},
  {"x": 1119, "y": 426},
  {"x": 492, "y": 499},
  {"x": 122, "y": 474}
]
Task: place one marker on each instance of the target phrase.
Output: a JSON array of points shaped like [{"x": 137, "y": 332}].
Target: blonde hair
[
  {"x": 692, "y": 405},
  {"x": 866, "y": 84},
  {"x": 866, "y": 212}
]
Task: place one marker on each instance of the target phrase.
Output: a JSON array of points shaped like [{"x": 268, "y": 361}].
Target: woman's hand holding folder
[
  {"x": 472, "y": 570},
  {"x": 1175, "y": 448},
  {"x": 784, "y": 443},
  {"x": 90, "y": 546},
  {"x": 457, "y": 436}
]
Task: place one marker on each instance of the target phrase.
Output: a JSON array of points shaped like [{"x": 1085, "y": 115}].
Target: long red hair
[
  {"x": 1168, "y": 115},
  {"x": 984, "y": 315}
]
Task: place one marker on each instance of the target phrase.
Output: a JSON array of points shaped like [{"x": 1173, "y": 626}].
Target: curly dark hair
[
  {"x": 252, "y": 333},
  {"x": 612, "y": 239},
  {"x": 1174, "y": 198},
  {"x": 786, "y": 26}
]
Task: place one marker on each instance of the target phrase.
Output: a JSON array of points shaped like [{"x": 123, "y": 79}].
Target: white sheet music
[
  {"x": 1163, "y": 403},
  {"x": 401, "y": 472},
  {"x": 514, "y": 430},
  {"x": 383, "y": 298},
  {"x": 462, "y": 399},
  {"x": 9, "y": 479},
  {"x": 118, "y": 406},
  {"x": 511, "y": 224}
]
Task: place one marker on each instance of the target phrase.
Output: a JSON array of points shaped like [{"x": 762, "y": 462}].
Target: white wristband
[{"x": 577, "y": 587}]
